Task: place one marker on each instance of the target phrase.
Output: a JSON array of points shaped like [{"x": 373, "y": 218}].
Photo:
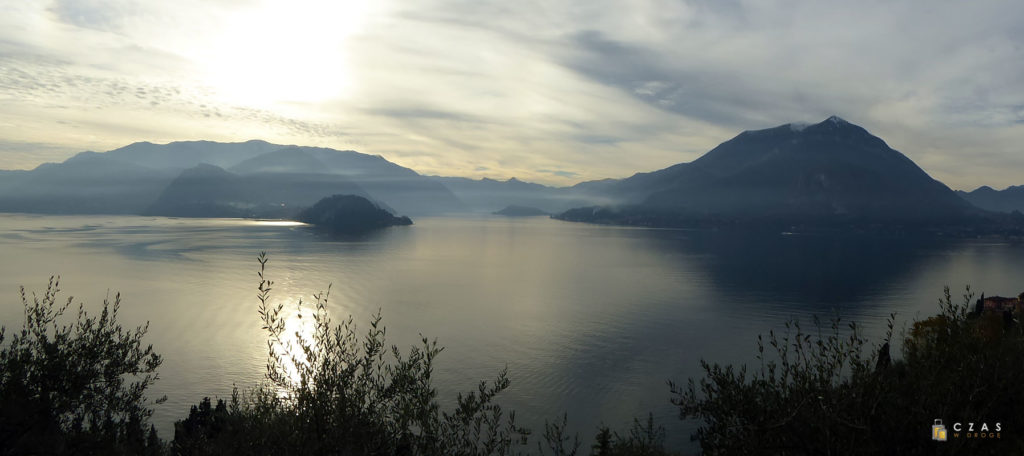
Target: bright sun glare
[
  {"x": 285, "y": 51},
  {"x": 297, "y": 330}
]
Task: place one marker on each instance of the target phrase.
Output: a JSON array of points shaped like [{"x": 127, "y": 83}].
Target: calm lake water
[{"x": 590, "y": 320}]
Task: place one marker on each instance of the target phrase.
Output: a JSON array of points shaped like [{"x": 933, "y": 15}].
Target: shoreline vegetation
[{"x": 76, "y": 383}]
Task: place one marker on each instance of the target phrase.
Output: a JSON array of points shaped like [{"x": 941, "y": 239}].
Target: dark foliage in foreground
[
  {"x": 332, "y": 391},
  {"x": 824, "y": 393},
  {"x": 78, "y": 387}
]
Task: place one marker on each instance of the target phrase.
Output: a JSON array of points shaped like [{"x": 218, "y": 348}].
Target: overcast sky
[{"x": 549, "y": 91}]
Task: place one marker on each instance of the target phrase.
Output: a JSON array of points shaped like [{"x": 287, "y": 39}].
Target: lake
[{"x": 590, "y": 320}]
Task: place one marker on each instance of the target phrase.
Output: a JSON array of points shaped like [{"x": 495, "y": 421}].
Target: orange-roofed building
[{"x": 1000, "y": 304}]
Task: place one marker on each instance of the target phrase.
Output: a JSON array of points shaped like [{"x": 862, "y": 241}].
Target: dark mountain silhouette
[
  {"x": 210, "y": 191},
  {"x": 1007, "y": 200},
  {"x": 346, "y": 214},
  {"x": 833, "y": 170}
]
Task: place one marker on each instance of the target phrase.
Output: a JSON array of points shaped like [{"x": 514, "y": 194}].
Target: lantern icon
[{"x": 939, "y": 431}]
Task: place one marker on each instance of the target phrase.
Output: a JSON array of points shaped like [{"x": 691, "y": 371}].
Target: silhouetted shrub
[
  {"x": 333, "y": 392},
  {"x": 75, "y": 387},
  {"x": 79, "y": 388},
  {"x": 643, "y": 439},
  {"x": 826, "y": 393}
]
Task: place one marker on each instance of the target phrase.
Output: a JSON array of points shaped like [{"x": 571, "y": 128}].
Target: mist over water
[{"x": 590, "y": 320}]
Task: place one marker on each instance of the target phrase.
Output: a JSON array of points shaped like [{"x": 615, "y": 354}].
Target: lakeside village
[{"x": 1010, "y": 307}]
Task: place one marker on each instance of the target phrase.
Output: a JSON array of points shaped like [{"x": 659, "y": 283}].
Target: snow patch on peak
[{"x": 836, "y": 120}]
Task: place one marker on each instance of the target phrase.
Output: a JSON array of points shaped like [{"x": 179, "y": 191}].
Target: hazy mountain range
[
  {"x": 832, "y": 170},
  {"x": 209, "y": 179},
  {"x": 489, "y": 195},
  {"x": 1007, "y": 200}
]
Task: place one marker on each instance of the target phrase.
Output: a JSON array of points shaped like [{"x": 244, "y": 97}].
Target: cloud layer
[{"x": 555, "y": 92}]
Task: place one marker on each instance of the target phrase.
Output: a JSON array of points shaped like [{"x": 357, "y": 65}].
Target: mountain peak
[
  {"x": 835, "y": 125},
  {"x": 87, "y": 155},
  {"x": 831, "y": 168},
  {"x": 832, "y": 121}
]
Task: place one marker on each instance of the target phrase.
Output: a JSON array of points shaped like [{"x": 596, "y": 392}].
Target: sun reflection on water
[
  {"x": 276, "y": 223},
  {"x": 296, "y": 340}
]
